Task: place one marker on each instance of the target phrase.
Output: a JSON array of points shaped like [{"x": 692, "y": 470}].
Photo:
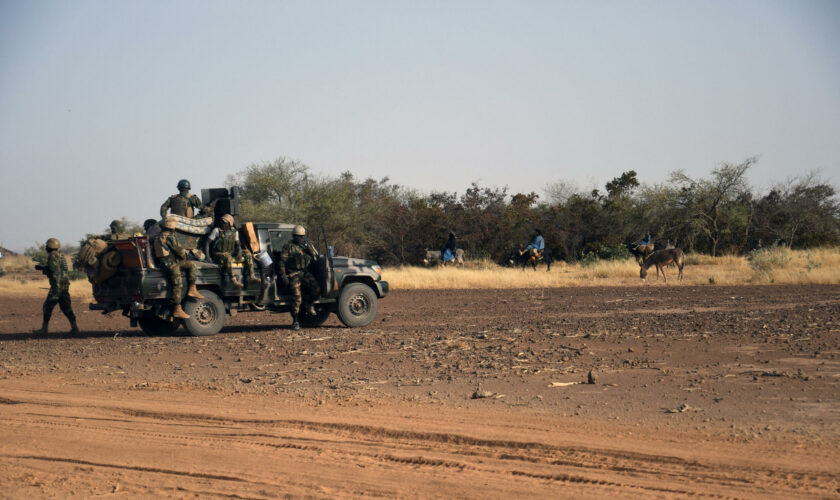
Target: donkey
[
  {"x": 434, "y": 257},
  {"x": 660, "y": 259}
]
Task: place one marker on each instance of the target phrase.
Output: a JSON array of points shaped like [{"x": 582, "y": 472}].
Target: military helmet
[
  {"x": 299, "y": 231},
  {"x": 53, "y": 244},
  {"x": 170, "y": 223},
  {"x": 183, "y": 184},
  {"x": 117, "y": 226},
  {"x": 228, "y": 218}
]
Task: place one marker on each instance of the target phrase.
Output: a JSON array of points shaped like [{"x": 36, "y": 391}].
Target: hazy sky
[{"x": 105, "y": 105}]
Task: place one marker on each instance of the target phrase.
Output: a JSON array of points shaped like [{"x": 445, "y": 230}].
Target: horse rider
[
  {"x": 536, "y": 246},
  {"x": 447, "y": 252},
  {"x": 645, "y": 241},
  {"x": 183, "y": 203}
]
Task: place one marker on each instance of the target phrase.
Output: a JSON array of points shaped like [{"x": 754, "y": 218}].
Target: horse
[
  {"x": 660, "y": 259},
  {"x": 434, "y": 256},
  {"x": 641, "y": 252},
  {"x": 530, "y": 257}
]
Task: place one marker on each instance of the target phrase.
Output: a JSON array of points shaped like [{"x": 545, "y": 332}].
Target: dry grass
[
  {"x": 820, "y": 266},
  {"x": 22, "y": 280},
  {"x": 13, "y": 287}
]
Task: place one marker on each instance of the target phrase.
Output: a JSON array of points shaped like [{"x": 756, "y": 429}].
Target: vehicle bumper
[{"x": 382, "y": 288}]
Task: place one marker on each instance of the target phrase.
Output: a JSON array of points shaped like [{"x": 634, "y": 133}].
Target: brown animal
[
  {"x": 641, "y": 252},
  {"x": 662, "y": 258}
]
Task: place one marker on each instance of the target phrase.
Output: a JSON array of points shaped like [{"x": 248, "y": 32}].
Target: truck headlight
[{"x": 378, "y": 269}]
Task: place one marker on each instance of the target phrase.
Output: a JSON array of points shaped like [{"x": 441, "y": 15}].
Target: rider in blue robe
[
  {"x": 447, "y": 253},
  {"x": 537, "y": 244}
]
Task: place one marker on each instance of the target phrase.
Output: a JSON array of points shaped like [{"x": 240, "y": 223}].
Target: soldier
[
  {"x": 56, "y": 271},
  {"x": 293, "y": 264},
  {"x": 183, "y": 203},
  {"x": 173, "y": 258},
  {"x": 223, "y": 243},
  {"x": 117, "y": 231}
]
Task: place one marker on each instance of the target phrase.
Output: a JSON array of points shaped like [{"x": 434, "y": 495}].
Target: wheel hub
[
  {"x": 205, "y": 314},
  {"x": 359, "y": 305}
]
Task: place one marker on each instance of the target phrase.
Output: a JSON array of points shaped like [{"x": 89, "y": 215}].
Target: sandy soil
[{"x": 699, "y": 391}]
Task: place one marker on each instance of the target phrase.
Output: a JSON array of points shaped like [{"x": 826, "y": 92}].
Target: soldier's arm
[
  {"x": 281, "y": 262},
  {"x": 53, "y": 267},
  {"x": 195, "y": 201},
  {"x": 165, "y": 208}
]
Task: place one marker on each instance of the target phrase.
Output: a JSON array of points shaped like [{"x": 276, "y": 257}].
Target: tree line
[{"x": 717, "y": 214}]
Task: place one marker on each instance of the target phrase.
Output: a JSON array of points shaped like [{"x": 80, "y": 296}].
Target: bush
[{"x": 764, "y": 261}]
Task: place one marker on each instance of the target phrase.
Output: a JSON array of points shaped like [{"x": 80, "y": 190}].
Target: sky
[{"x": 105, "y": 105}]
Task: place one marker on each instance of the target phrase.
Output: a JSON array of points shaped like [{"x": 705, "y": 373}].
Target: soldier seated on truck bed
[
  {"x": 223, "y": 244},
  {"x": 173, "y": 258},
  {"x": 293, "y": 270}
]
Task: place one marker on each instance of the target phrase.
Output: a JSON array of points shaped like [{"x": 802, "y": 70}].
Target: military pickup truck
[{"x": 139, "y": 288}]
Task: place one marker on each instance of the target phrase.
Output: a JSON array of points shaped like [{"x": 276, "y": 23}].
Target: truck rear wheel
[
  {"x": 357, "y": 305},
  {"x": 152, "y": 325},
  {"x": 207, "y": 315}
]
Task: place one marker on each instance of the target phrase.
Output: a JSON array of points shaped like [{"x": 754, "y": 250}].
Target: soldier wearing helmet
[
  {"x": 117, "y": 228},
  {"x": 223, "y": 244},
  {"x": 173, "y": 258},
  {"x": 183, "y": 203},
  {"x": 293, "y": 269},
  {"x": 56, "y": 271}
]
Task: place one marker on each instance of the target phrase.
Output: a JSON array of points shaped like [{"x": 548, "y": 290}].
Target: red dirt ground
[{"x": 717, "y": 391}]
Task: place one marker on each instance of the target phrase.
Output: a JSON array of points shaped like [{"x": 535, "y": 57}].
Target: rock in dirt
[{"x": 592, "y": 377}]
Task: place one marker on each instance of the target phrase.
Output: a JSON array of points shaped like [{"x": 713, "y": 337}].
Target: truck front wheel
[
  {"x": 207, "y": 315},
  {"x": 357, "y": 305}
]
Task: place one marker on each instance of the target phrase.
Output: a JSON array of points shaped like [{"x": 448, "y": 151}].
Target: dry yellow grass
[
  {"x": 11, "y": 287},
  {"x": 820, "y": 266}
]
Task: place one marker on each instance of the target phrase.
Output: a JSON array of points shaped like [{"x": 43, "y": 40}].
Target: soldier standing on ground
[
  {"x": 293, "y": 263},
  {"x": 223, "y": 243},
  {"x": 56, "y": 271},
  {"x": 173, "y": 258},
  {"x": 183, "y": 203}
]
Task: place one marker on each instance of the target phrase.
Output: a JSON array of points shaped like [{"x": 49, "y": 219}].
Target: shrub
[{"x": 764, "y": 261}]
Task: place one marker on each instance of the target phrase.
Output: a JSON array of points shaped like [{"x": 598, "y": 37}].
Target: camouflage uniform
[
  {"x": 173, "y": 258},
  {"x": 56, "y": 271},
  {"x": 183, "y": 204},
  {"x": 225, "y": 243},
  {"x": 294, "y": 260}
]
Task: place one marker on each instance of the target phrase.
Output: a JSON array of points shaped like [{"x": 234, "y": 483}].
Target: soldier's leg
[
  {"x": 192, "y": 276},
  {"x": 310, "y": 290},
  {"x": 65, "y": 304},
  {"x": 47, "y": 309},
  {"x": 174, "y": 271},
  {"x": 294, "y": 286},
  {"x": 248, "y": 264}
]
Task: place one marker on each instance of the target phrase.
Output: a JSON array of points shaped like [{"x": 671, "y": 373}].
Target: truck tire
[
  {"x": 207, "y": 315},
  {"x": 309, "y": 321},
  {"x": 357, "y": 305},
  {"x": 152, "y": 325}
]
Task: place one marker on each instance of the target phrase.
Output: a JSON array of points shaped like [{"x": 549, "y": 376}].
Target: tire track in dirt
[{"x": 363, "y": 443}]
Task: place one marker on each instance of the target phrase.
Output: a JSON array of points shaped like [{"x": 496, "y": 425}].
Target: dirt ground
[{"x": 712, "y": 391}]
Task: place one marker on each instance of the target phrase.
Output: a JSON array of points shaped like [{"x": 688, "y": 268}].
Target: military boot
[
  {"x": 73, "y": 327},
  {"x": 295, "y": 322},
  {"x": 310, "y": 310},
  {"x": 252, "y": 277},
  {"x": 235, "y": 282},
  {"x": 192, "y": 291},
  {"x": 179, "y": 312},
  {"x": 44, "y": 328}
]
